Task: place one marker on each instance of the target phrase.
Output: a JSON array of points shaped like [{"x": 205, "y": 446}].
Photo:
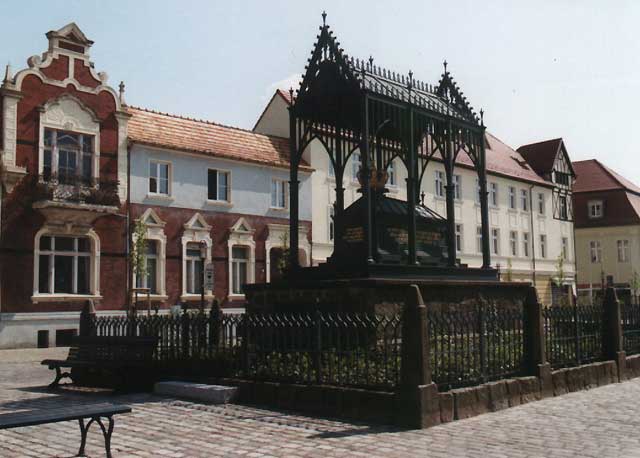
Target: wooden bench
[
  {"x": 116, "y": 354},
  {"x": 93, "y": 413}
]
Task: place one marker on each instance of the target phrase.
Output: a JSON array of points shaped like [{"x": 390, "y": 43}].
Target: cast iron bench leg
[
  {"x": 59, "y": 376},
  {"x": 106, "y": 432}
]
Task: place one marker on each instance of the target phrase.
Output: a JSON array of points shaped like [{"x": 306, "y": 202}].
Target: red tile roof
[
  {"x": 285, "y": 95},
  {"x": 504, "y": 160},
  {"x": 193, "y": 135},
  {"x": 592, "y": 175},
  {"x": 542, "y": 155}
]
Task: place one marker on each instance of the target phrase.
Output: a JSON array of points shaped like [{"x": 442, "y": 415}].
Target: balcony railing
[{"x": 77, "y": 189}]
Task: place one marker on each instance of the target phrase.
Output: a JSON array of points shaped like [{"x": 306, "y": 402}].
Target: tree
[
  {"x": 509, "y": 273},
  {"x": 283, "y": 262},
  {"x": 560, "y": 278},
  {"x": 635, "y": 285},
  {"x": 137, "y": 255}
]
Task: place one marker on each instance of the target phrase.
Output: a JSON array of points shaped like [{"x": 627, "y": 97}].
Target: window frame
[
  {"x": 392, "y": 175},
  {"x": 526, "y": 245},
  {"x": 478, "y": 239},
  {"x": 513, "y": 243},
  {"x": 524, "y": 200},
  {"x": 541, "y": 204},
  {"x": 219, "y": 171},
  {"x": 157, "y": 192},
  {"x": 591, "y": 205},
  {"x": 282, "y": 191},
  {"x": 54, "y": 152},
  {"x": 93, "y": 273},
  {"x": 622, "y": 247},
  {"x": 513, "y": 199},
  {"x": 439, "y": 184},
  {"x": 495, "y": 241},
  {"x": 246, "y": 262},
  {"x": 457, "y": 187},
  {"x": 543, "y": 246},
  {"x": 493, "y": 194},
  {"x": 459, "y": 237},
  {"x": 595, "y": 251}
]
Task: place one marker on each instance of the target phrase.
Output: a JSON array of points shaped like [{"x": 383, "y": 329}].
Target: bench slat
[{"x": 42, "y": 416}]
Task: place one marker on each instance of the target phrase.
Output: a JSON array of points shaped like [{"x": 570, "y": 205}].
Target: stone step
[{"x": 210, "y": 394}]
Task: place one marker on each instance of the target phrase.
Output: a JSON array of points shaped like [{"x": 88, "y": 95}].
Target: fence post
[
  {"x": 417, "y": 395},
  {"x": 482, "y": 331},
  {"x": 535, "y": 356},
  {"x": 185, "y": 336},
  {"x": 215, "y": 327},
  {"x": 318, "y": 347},
  {"x": 87, "y": 319},
  {"x": 577, "y": 334},
  {"x": 612, "y": 343},
  {"x": 245, "y": 344}
]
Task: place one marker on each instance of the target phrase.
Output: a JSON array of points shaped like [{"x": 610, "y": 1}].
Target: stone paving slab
[{"x": 602, "y": 422}]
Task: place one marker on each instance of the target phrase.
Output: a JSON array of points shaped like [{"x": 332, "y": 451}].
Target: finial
[
  {"x": 371, "y": 61},
  {"x": 481, "y": 117},
  {"x": 422, "y": 197},
  {"x": 324, "y": 18},
  {"x": 121, "y": 93},
  {"x": 291, "y": 93},
  {"x": 445, "y": 65},
  {"x": 410, "y": 80},
  {"x": 7, "y": 74}
]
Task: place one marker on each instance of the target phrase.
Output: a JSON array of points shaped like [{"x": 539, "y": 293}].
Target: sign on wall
[{"x": 208, "y": 276}]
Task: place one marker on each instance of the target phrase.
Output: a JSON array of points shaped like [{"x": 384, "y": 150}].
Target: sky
[{"x": 540, "y": 70}]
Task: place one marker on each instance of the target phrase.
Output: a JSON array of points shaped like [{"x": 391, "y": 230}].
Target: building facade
[
  {"x": 607, "y": 226},
  {"x": 81, "y": 172},
  {"x": 64, "y": 191},
  {"x": 530, "y": 208}
]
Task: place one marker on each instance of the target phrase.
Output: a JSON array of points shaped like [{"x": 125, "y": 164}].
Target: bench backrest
[{"x": 113, "y": 349}]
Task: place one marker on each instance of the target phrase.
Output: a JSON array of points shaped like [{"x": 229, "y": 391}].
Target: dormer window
[
  {"x": 67, "y": 156},
  {"x": 596, "y": 209}
]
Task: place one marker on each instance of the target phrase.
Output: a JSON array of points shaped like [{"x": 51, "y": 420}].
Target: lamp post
[{"x": 203, "y": 257}]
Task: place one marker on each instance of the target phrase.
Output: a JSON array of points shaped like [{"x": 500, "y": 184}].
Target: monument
[{"x": 381, "y": 243}]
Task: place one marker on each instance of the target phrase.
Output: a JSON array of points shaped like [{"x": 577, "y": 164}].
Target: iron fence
[
  {"x": 475, "y": 344},
  {"x": 631, "y": 328},
  {"x": 346, "y": 349},
  {"x": 573, "y": 334}
]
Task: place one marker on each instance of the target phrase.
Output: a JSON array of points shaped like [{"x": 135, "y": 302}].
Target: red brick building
[{"x": 78, "y": 168}]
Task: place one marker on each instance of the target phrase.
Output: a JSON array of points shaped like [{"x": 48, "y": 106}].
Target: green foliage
[
  {"x": 137, "y": 256},
  {"x": 283, "y": 262},
  {"x": 509, "y": 274}
]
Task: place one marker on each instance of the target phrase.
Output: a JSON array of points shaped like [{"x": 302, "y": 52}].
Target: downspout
[
  {"x": 128, "y": 228},
  {"x": 533, "y": 236}
]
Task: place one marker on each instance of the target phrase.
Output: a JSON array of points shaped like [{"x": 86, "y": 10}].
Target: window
[
  {"x": 563, "y": 207},
  {"x": 391, "y": 171},
  {"x": 479, "y": 239},
  {"x": 150, "y": 280},
  {"x": 541, "y": 203},
  {"x": 596, "y": 209},
  {"x": 525, "y": 244},
  {"x": 331, "y": 223},
  {"x": 457, "y": 187},
  {"x": 512, "y": 198},
  {"x": 194, "y": 268},
  {"x": 356, "y": 163},
  {"x": 459, "y": 238},
  {"x": 239, "y": 268},
  {"x": 595, "y": 251},
  {"x": 67, "y": 155},
  {"x": 543, "y": 246},
  {"x": 478, "y": 191},
  {"x": 218, "y": 185},
  {"x": 439, "y": 183},
  {"x": 623, "y": 250},
  {"x": 565, "y": 248},
  {"x": 524, "y": 200},
  {"x": 495, "y": 241},
  {"x": 64, "y": 265},
  {"x": 513, "y": 243},
  {"x": 493, "y": 194},
  {"x": 158, "y": 177},
  {"x": 278, "y": 194}
]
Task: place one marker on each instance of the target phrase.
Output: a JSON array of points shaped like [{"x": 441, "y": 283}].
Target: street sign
[{"x": 208, "y": 276}]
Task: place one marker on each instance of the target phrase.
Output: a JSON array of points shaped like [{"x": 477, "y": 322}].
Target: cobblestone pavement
[{"x": 603, "y": 422}]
